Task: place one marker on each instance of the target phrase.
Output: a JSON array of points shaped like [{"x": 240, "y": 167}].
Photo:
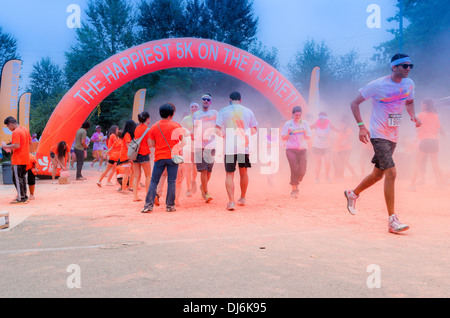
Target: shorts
[
  {"x": 429, "y": 145},
  {"x": 112, "y": 161},
  {"x": 142, "y": 159},
  {"x": 31, "y": 178},
  {"x": 384, "y": 151},
  {"x": 204, "y": 159},
  {"x": 97, "y": 152},
  {"x": 242, "y": 159}
]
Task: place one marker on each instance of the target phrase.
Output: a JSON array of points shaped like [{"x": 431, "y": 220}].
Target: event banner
[
  {"x": 9, "y": 95},
  {"x": 314, "y": 96},
  {"x": 153, "y": 56},
  {"x": 139, "y": 103},
  {"x": 24, "y": 110}
]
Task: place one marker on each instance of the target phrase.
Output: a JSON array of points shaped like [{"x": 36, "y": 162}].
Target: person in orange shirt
[
  {"x": 32, "y": 170},
  {"x": 143, "y": 157},
  {"x": 60, "y": 156},
  {"x": 126, "y": 136},
  {"x": 428, "y": 136},
  {"x": 164, "y": 135},
  {"x": 20, "y": 145},
  {"x": 114, "y": 146}
]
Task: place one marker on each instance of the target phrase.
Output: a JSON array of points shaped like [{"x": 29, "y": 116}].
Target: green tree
[
  {"x": 47, "y": 87},
  {"x": 8, "y": 48},
  {"x": 426, "y": 38},
  {"x": 234, "y": 22},
  {"x": 107, "y": 30}
]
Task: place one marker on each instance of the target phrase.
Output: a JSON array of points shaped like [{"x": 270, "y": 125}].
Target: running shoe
[
  {"x": 170, "y": 209},
  {"x": 395, "y": 226},
  {"x": 294, "y": 193},
  {"x": 351, "y": 201},
  {"x": 188, "y": 193},
  {"x": 230, "y": 206},
  {"x": 23, "y": 201},
  {"x": 241, "y": 201},
  {"x": 207, "y": 197},
  {"x": 147, "y": 209},
  {"x": 99, "y": 184}
]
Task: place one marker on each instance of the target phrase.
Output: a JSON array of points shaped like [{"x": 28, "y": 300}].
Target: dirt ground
[{"x": 274, "y": 247}]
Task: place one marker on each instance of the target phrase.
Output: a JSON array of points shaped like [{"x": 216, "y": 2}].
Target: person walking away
[
  {"x": 143, "y": 157},
  {"x": 164, "y": 135},
  {"x": 233, "y": 121}
]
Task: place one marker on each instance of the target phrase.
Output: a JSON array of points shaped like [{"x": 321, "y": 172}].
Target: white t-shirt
[
  {"x": 296, "y": 139},
  {"x": 236, "y": 122},
  {"x": 208, "y": 125},
  {"x": 388, "y": 100}
]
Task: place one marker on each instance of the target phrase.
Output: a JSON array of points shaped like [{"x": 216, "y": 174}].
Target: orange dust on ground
[{"x": 274, "y": 246}]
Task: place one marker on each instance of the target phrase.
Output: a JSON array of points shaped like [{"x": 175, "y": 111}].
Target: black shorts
[
  {"x": 122, "y": 162},
  {"x": 31, "y": 177},
  {"x": 204, "y": 159},
  {"x": 243, "y": 161},
  {"x": 142, "y": 159},
  {"x": 111, "y": 161},
  {"x": 430, "y": 145},
  {"x": 384, "y": 151}
]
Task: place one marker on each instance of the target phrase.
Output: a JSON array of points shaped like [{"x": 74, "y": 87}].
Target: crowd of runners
[{"x": 204, "y": 132}]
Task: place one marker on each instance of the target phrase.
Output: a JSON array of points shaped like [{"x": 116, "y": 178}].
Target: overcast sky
[{"x": 40, "y": 28}]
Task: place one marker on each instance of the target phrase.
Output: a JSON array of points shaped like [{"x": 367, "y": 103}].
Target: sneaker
[
  {"x": 99, "y": 184},
  {"x": 147, "y": 209},
  {"x": 157, "y": 199},
  {"x": 241, "y": 201},
  {"x": 351, "y": 201},
  {"x": 395, "y": 226},
  {"x": 230, "y": 206},
  {"x": 294, "y": 193},
  {"x": 170, "y": 209},
  {"x": 23, "y": 201},
  {"x": 80, "y": 178},
  {"x": 110, "y": 184},
  {"x": 207, "y": 197},
  {"x": 188, "y": 194}
]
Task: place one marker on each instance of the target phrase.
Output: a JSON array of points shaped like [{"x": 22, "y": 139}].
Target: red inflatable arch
[{"x": 153, "y": 56}]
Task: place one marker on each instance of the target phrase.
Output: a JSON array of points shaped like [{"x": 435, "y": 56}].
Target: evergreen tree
[
  {"x": 47, "y": 87},
  {"x": 8, "y": 48}
]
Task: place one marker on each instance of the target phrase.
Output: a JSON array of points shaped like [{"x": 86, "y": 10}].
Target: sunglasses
[
  {"x": 405, "y": 66},
  {"x": 206, "y": 99}
]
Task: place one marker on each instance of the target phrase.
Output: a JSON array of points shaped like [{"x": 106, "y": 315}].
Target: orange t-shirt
[
  {"x": 124, "y": 149},
  {"x": 21, "y": 155},
  {"x": 32, "y": 163},
  {"x": 172, "y": 132},
  {"x": 54, "y": 149},
  {"x": 430, "y": 126},
  {"x": 144, "y": 149},
  {"x": 116, "y": 144}
]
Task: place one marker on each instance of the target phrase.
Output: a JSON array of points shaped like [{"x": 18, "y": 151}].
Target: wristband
[{"x": 360, "y": 124}]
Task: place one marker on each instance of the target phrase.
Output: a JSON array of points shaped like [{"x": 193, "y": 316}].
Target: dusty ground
[{"x": 275, "y": 246}]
